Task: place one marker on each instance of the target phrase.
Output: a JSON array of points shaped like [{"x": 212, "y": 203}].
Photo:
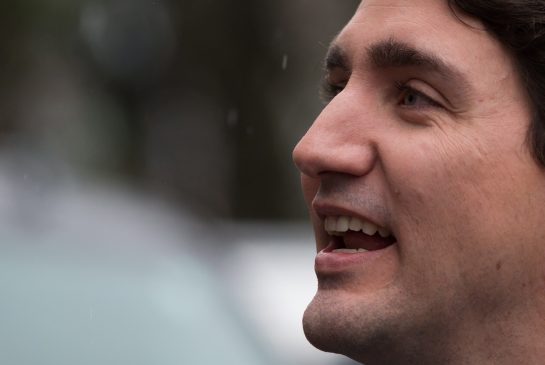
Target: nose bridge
[{"x": 340, "y": 140}]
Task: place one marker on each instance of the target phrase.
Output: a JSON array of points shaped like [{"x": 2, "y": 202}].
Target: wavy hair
[{"x": 520, "y": 26}]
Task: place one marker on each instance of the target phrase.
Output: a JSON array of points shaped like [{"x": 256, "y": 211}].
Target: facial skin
[{"x": 432, "y": 147}]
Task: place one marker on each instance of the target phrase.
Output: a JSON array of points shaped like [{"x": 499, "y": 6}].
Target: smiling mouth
[{"x": 353, "y": 235}]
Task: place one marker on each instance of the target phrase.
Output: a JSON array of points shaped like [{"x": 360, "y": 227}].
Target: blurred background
[{"x": 149, "y": 209}]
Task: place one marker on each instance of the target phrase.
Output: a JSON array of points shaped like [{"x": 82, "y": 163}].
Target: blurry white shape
[
  {"x": 100, "y": 275},
  {"x": 284, "y": 62},
  {"x": 270, "y": 270}
]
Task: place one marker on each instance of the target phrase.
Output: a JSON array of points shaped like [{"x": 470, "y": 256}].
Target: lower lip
[{"x": 329, "y": 261}]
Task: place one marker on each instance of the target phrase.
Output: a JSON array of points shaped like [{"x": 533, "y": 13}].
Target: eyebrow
[
  {"x": 395, "y": 54},
  {"x": 336, "y": 57}
]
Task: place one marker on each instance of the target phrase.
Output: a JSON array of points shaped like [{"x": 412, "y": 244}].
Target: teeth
[
  {"x": 355, "y": 224},
  {"x": 383, "y": 232},
  {"x": 349, "y": 250},
  {"x": 337, "y": 226},
  {"x": 369, "y": 228},
  {"x": 330, "y": 224},
  {"x": 342, "y": 224}
]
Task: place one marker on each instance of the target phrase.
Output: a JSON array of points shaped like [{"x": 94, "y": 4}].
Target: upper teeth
[{"x": 339, "y": 225}]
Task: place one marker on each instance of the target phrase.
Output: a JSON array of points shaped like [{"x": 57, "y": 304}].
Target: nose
[{"x": 339, "y": 141}]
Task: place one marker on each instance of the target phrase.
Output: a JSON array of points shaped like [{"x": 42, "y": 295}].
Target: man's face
[{"x": 424, "y": 139}]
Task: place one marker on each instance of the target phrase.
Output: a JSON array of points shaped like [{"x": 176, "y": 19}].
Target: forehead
[
  {"x": 430, "y": 25},
  {"x": 439, "y": 8}
]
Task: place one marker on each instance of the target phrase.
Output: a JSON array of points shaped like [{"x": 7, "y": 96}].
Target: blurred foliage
[{"x": 200, "y": 101}]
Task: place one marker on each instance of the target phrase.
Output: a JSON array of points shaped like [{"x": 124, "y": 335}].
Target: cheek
[
  {"x": 446, "y": 191},
  {"x": 459, "y": 197}
]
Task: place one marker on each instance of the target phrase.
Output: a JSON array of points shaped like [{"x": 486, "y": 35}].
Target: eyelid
[
  {"x": 333, "y": 83},
  {"x": 328, "y": 91},
  {"x": 428, "y": 102},
  {"x": 425, "y": 91}
]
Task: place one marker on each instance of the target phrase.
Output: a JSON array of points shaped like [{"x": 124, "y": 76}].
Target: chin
[
  {"x": 330, "y": 327},
  {"x": 321, "y": 332},
  {"x": 366, "y": 331}
]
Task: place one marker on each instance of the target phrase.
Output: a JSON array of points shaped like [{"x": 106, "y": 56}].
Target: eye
[
  {"x": 328, "y": 90},
  {"x": 334, "y": 82},
  {"x": 412, "y": 98}
]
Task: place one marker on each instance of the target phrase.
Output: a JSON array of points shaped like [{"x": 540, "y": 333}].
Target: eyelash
[
  {"x": 329, "y": 91},
  {"x": 404, "y": 89}
]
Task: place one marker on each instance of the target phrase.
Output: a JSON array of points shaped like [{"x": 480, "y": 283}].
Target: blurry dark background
[
  {"x": 128, "y": 129},
  {"x": 199, "y": 102}
]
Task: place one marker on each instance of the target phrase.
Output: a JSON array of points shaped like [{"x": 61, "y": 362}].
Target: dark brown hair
[{"x": 520, "y": 26}]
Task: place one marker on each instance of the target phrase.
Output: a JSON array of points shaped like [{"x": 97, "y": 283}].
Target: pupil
[{"x": 410, "y": 99}]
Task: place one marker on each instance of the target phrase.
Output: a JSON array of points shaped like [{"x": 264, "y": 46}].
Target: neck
[{"x": 513, "y": 336}]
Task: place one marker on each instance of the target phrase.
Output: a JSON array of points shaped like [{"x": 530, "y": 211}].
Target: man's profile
[{"x": 425, "y": 181}]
